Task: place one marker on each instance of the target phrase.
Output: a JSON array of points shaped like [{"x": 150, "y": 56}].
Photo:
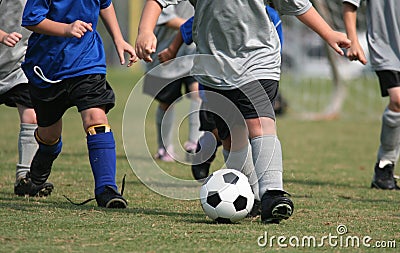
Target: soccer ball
[{"x": 226, "y": 196}]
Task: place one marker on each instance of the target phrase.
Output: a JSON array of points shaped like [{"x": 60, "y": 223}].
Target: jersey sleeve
[
  {"x": 105, "y": 4},
  {"x": 186, "y": 31},
  {"x": 165, "y": 3},
  {"x": 356, "y": 3},
  {"x": 35, "y": 11},
  {"x": 166, "y": 15},
  {"x": 292, "y": 8}
]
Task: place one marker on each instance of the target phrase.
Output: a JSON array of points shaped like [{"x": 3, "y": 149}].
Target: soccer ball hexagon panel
[{"x": 226, "y": 196}]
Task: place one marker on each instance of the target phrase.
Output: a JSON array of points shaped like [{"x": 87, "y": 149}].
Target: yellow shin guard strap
[{"x": 96, "y": 129}]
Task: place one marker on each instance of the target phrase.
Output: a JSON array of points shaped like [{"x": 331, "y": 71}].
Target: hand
[
  {"x": 146, "y": 44},
  {"x": 356, "y": 52},
  {"x": 11, "y": 39},
  {"x": 78, "y": 29},
  {"x": 337, "y": 41},
  {"x": 166, "y": 55},
  {"x": 124, "y": 47}
]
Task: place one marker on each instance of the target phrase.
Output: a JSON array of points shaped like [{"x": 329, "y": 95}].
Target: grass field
[{"x": 328, "y": 168}]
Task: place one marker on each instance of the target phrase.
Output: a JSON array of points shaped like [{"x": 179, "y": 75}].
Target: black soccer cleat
[
  {"x": 200, "y": 170},
  {"x": 25, "y": 186},
  {"x": 383, "y": 177},
  {"x": 110, "y": 198},
  {"x": 275, "y": 207}
]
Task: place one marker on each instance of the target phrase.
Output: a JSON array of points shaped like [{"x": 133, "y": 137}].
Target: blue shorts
[{"x": 84, "y": 92}]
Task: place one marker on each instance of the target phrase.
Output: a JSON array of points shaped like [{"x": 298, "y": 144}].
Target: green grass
[{"x": 328, "y": 168}]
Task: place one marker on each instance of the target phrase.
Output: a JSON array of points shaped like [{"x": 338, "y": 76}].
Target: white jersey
[
  {"x": 383, "y": 33},
  {"x": 11, "y": 58},
  {"x": 241, "y": 39}
]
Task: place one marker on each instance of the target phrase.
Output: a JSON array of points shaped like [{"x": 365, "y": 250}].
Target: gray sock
[
  {"x": 27, "y": 147},
  {"x": 194, "y": 121},
  {"x": 390, "y": 136},
  {"x": 242, "y": 161},
  {"x": 164, "y": 125},
  {"x": 267, "y": 156}
]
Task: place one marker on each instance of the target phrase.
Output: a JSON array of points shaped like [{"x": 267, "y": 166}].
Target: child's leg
[
  {"x": 238, "y": 155},
  {"x": 27, "y": 145},
  {"x": 390, "y": 136},
  {"x": 164, "y": 124},
  {"x": 194, "y": 120},
  {"x": 50, "y": 145},
  {"x": 267, "y": 153},
  {"x": 101, "y": 147},
  {"x": 267, "y": 157},
  {"x": 102, "y": 156},
  {"x": 388, "y": 151},
  {"x": 207, "y": 144}
]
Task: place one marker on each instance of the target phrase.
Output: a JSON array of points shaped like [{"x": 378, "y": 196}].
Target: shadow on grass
[
  {"x": 324, "y": 183},
  {"x": 358, "y": 199},
  {"x": 11, "y": 202}
]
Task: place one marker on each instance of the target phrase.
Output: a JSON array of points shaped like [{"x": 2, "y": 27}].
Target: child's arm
[
  {"x": 52, "y": 28},
  {"x": 9, "y": 39},
  {"x": 110, "y": 21},
  {"x": 170, "y": 52},
  {"x": 184, "y": 36},
  {"x": 146, "y": 41},
  {"x": 355, "y": 52},
  {"x": 336, "y": 40}
]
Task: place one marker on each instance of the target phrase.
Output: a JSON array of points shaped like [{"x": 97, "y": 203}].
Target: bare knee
[
  {"x": 49, "y": 135},
  {"x": 93, "y": 117},
  {"x": 394, "y": 102},
  {"x": 26, "y": 115}
]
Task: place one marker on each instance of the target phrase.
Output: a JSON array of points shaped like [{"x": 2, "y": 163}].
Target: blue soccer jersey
[{"x": 63, "y": 57}]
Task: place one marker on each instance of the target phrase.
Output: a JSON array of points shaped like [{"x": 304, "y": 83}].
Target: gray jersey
[
  {"x": 11, "y": 58},
  {"x": 383, "y": 33},
  {"x": 240, "y": 37},
  {"x": 165, "y": 35}
]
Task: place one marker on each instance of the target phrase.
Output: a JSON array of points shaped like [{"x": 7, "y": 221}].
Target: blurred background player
[
  {"x": 383, "y": 38},
  {"x": 14, "y": 89},
  {"x": 177, "y": 77},
  {"x": 66, "y": 66}
]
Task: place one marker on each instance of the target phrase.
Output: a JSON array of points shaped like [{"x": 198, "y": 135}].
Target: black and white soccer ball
[{"x": 226, "y": 196}]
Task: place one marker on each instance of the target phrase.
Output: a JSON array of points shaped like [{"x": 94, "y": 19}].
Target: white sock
[
  {"x": 242, "y": 161},
  {"x": 194, "y": 120},
  {"x": 27, "y": 147},
  {"x": 390, "y": 136},
  {"x": 164, "y": 125},
  {"x": 267, "y": 156}
]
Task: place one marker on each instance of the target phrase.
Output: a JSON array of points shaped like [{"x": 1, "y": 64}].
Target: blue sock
[
  {"x": 51, "y": 149},
  {"x": 42, "y": 162},
  {"x": 102, "y": 158}
]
